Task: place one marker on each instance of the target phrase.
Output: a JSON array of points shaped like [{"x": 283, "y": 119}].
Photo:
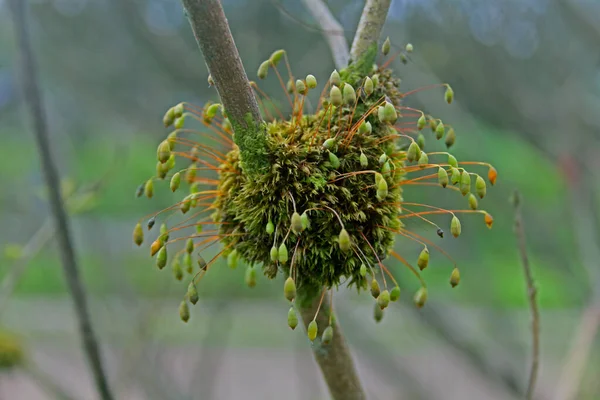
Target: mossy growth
[
  {"x": 328, "y": 206},
  {"x": 327, "y": 183}
]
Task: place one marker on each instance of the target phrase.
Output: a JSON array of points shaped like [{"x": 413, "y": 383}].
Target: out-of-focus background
[{"x": 526, "y": 74}]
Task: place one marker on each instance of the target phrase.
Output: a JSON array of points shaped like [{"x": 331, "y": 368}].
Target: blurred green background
[{"x": 527, "y": 83}]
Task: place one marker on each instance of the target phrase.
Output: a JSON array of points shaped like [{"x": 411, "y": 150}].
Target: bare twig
[
  {"x": 334, "y": 359},
  {"x": 33, "y": 99},
  {"x": 369, "y": 27},
  {"x": 531, "y": 295},
  {"x": 212, "y": 33},
  {"x": 332, "y": 30}
]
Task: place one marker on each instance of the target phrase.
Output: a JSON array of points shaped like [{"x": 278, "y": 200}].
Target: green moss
[
  {"x": 362, "y": 67},
  {"x": 300, "y": 171},
  {"x": 251, "y": 139}
]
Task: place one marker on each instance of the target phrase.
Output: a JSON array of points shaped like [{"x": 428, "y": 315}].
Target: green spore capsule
[
  {"x": 368, "y": 86},
  {"x": 395, "y": 294},
  {"x": 297, "y": 227},
  {"x": 473, "y": 203},
  {"x": 440, "y": 130},
  {"x": 305, "y": 221},
  {"x": 334, "y": 160},
  {"x": 363, "y": 270},
  {"x": 175, "y": 181},
  {"x": 386, "y": 46},
  {"x": 423, "y": 260},
  {"x": 289, "y": 289},
  {"x": 364, "y": 162},
  {"x": 270, "y": 227},
  {"x": 480, "y": 187},
  {"x": 423, "y": 160},
  {"x": 335, "y": 96},
  {"x": 161, "y": 257},
  {"x": 189, "y": 246},
  {"x": 420, "y": 297},
  {"x": 292, "y": 318},
  {"x": 442, "y": 177},
  {"x": 421, "y": 122},
  {"x": 327, "y": 336},
  {"x": 349, "y": 95},
  {"x": 312, "y": 330},
  {"x": 163, "y": 152},
  {"x": 282, "y": 253},
  {"x": 274, "y": 253},
  {"x": 452, "y": 161},
  {"x": 344, "y": 240},
  {"x": 149, "y": 189},
  {"x": 177, "y": 270},
  {"x": 263, "y": 69},
  {"x": 383, "y": 300},
  {"x": 311, "y": 81},
  {"x": 334, "y": 78},
  {"x": 377, "y": 313},
  {"x": 232, "y": 259},
  {"x": 329, "y": 143},
  {"x": 138, "y": 234},
  {"x": 251, "y": 276},
  {"x": 450, "y": 138},
  {"x": 375, "y": 291},
  {"x": 276, "y": 57},
  {"x": 455, "y": 177},
  {"x": 184, "y": 311},
  {"x": 455, "y": 227},
  {"x": 192, "y": 293},
  {"x": 455, "y": 277},
  {"x": 465, "y": 183}
]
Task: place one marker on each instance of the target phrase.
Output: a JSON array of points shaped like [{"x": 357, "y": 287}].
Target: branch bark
[
  {"x": 334, "y": 359},
  {"x": 32, "y": 97},
  {"x": 212, "y": 33},
  {"x": 369, "y": 27},
  {"x": 332, "y": 30}
]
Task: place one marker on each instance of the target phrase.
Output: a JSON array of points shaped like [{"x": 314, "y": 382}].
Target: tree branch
[
  {"x": 334, "y": 359},
  {"x": 332, "y": 30},
  {"x": 212, "y": 33},
  {"x": 531, "y": 295},
  {"x": 31, "y": 94},
  {"x": 369, "y": 27}
]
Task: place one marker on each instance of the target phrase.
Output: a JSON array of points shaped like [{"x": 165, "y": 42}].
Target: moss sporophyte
[{"x": 327, "y": 207}]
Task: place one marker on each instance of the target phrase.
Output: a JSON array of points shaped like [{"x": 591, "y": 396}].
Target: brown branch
[
  {"x": 332, "y": 30},
  {"x": 334, "y": 359},
  {"x": 369, "y": 27},
  {"x": 531, "y": 295},
  {"x": 212, "y": 33},
  {"x": 32, "y": 97}
]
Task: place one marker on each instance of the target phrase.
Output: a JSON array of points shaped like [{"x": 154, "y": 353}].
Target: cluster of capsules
[{"x": 327, "y": 208}]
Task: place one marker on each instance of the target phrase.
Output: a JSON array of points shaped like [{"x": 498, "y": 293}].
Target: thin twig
[
  {"x": 332, "y": 30},
  {"x": 33, "y": 100},
  {"x": 531, "y": 295}
]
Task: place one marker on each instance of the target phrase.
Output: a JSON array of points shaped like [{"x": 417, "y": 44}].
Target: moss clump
[
  {"x": 303, "y": 178},
  {"x": 315, "y": 196}
]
